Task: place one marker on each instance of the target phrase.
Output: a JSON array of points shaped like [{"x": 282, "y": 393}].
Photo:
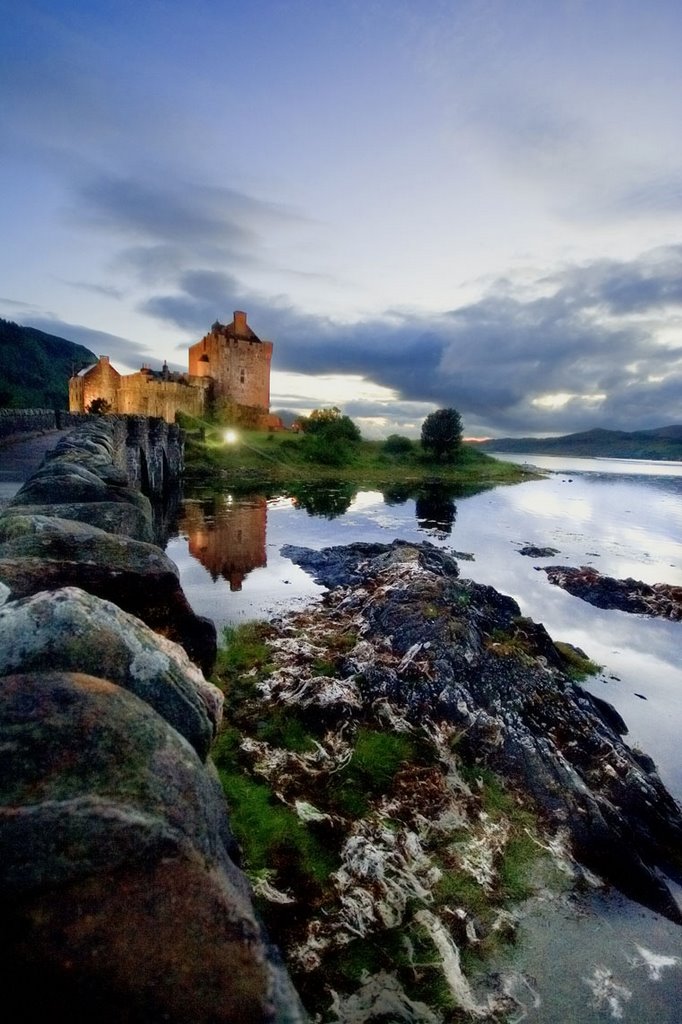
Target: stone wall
[
  {"x": 154, "y": 454},
  {"x": 119, "y": 881},
  {"x": 26, "y": 421}
]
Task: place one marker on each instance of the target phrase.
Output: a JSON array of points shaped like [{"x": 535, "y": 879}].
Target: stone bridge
[
  {"x": 153, "y": 452},
  {"x": 116, "y": 847},
  {"x": 146, "y": 448}
]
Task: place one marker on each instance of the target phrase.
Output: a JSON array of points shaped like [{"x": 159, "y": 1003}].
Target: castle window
[
  {"x": 242, "y": 376},
  {"x": 203, "y": 359}
]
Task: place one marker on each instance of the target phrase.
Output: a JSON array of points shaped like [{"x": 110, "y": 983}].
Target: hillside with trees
[
  {"x": 659, "y": 443},
  {"x": 35, "y": 367}
]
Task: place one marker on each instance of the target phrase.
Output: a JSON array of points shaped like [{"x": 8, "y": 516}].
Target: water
[
  {"x": 577, "y": 961},
  {"x": 583, "y": 961}
]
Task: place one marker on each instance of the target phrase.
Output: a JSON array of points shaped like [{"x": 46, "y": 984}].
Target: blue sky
[{"x": 422, "y": 203}]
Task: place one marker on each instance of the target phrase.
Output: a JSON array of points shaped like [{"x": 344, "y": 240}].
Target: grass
[
  {"x": 578, "y": 665},
  {"x": 280, "y": 459},
  {"x": 271, "y": 836},
  {"x": 376, "y": 758},
  {"x": 243, "y": 650}
]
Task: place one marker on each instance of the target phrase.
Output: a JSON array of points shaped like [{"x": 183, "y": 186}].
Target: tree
[
  {"x": 99, "y": 407},
  {"x": 331, "y": 424},
  {"x": 442, "y": 433}
]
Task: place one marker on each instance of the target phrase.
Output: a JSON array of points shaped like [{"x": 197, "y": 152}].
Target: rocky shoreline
[
  {"x": 404, "y": 764},
  {"x": 437, "y": 743}
]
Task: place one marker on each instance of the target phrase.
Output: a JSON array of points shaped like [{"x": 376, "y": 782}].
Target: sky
[{"x": 422, "y": 203}]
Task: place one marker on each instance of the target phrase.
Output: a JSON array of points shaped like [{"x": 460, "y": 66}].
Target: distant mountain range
[
  {"x": 35, "y": 367},
  {"x": 659, "y": 443}
]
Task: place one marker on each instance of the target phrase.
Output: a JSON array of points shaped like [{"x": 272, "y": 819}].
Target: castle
[{"x": 228, "y": 377}]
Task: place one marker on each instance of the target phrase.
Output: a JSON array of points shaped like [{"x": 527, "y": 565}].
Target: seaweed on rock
[{"x": 440, "y": 764}]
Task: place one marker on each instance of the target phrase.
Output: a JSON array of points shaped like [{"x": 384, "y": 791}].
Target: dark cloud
[
  {"x": 179, "y": 212},
  {"x": 203, "y": 293},
  {"x": 107, "y": 291},
  {"x": 651, "y": 283},
  {"x": 121, "y": 350},
  {"x": 588, "y": 339}
]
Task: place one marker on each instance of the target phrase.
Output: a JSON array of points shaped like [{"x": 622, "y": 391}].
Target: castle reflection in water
[{"x": 227, "y": 536}]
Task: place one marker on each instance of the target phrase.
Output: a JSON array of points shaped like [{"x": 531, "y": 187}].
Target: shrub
[{"x": 397, "y": 444}]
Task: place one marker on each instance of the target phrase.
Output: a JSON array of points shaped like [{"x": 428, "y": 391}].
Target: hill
[
  {"x": 659, "y": 443},
  {"x": 35, "y": 367}
]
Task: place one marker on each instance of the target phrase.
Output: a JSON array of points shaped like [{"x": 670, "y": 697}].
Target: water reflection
[
  {"x": 323, "y": 499},
  {"x": 436, "y": 511},
  {"x": 227, "y": 536}
]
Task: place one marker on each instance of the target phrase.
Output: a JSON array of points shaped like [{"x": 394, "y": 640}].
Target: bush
[
  {"x": 397, "y": 444},
  {"x": 99, "y": 407}
]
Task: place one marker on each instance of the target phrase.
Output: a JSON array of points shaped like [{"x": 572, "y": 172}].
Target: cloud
[
  {"x": 121, "y": 350},
  {"x": 179, "y": 212},
  {"x": 651, "y": 283},
  {"x": 108, "y": 291},
  {"x": 591, "y": 334}
]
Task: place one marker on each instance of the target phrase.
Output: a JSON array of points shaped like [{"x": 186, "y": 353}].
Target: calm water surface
[{"x": 604, "y": 958}]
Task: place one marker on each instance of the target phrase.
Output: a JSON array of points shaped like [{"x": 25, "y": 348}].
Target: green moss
[
  {"x": 577, "y": 665},
  {"x": 243, "y": 649},
  {"x": 509, "y": 643},
  {"x": 515, "y": 871},
  {"x": 271, "y": 835},
  {"x": 376, "y": 758},
  {"x": 323, "y": 667},
  {"x": 459, "y": 889},
  {"x": 283, "y": 728}
]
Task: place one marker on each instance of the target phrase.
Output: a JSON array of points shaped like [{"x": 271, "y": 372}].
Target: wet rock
[
  {"x": 661, "y": 600},
  {"x": 119, "y": 891},
  {"x": 72, "y": 631},
  {"x": 535, "y": 552},
  {"x": 501, "y": 681}
]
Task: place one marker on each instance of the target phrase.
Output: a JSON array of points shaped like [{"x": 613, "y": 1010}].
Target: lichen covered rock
[
  {"x": 71, "y": 631},
  {"x": 39, "y": 552},
  {"x": 120, "y": 897}
]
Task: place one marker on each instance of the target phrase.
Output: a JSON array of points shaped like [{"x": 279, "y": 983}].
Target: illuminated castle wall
[{"x": 229, "y": 375}]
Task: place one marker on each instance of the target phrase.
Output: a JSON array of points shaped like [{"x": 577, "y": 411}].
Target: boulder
[
  {"x": 121, "y": 901},
  {"x": 70, "y": 630},
  {"x": 61, "y": 482},
  {"x": 117, "y": 517},
  {"x": 46, "y": 553}
]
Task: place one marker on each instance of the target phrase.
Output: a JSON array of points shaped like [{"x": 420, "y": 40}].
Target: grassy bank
[{"x": 269, "y": 459}]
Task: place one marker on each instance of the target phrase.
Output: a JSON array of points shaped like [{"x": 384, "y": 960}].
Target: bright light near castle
[{"x": 230, "y": 437}]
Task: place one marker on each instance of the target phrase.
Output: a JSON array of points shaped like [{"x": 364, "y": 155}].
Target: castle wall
[
  {"x": 100, "y": 381},
  {"x": 229, "y": 372},
  {"x": 144, "y": 396},
  {"x": 237, "y": 360}
]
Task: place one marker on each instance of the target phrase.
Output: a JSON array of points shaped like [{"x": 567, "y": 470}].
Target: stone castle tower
[
  {"x": 229, "y": 376},
  {"x": 238, "y": 363}
]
